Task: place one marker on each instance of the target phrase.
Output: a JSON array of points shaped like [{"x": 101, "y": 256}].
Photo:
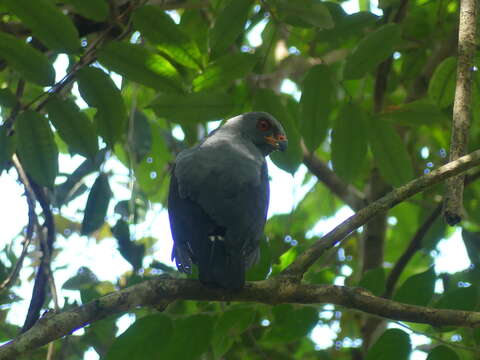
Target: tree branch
[
  {"x": 461, "y": 107},
  {"x": 274, "y": 291},
  {"x": 346, "y": 192},
  {"x": 296, "y": 269}
]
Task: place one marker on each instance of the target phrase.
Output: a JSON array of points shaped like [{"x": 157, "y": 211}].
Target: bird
[{"x": 218, "y": 199}]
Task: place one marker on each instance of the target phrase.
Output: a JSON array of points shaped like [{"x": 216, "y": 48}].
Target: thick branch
[
  {"x": 306, "y": 259},
  {"x": 461, "y": 106},
  {"x": 151, "y": 292},
  {"x": 346, "y": 192}
]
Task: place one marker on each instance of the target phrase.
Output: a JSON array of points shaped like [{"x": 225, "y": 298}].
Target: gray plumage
[{"x": 218, "y": 199}]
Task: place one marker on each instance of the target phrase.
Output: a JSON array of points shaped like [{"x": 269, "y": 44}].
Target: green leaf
[
  {"x": 191, "y": 338},
  {"x": 84, "y": 278},
  {"x": 224, "y": 70},
  {"x": 390, "y": 153},
  {"x": 131, "y": 251},
  {"x": 161, "y": 30},
  {"x": 318, "y": 92},
  {"x": 285, "y": 260},
  {"x": 459, "y": 299},
  {"x": 47, "y": 22},
  {"x": 442, "y": 352},
  {"x": 99, "y": 91},
  {"x": 349, "y": 142},
  {"x": 290, "y": 323},
  {"x": 305, "y": 13},
  {"x": 472, "y": 244},
  {"x": 138, "y": 64},
  {"x": 147, "y": 172},
  {"x": 36, "y": 147},
  {"x": 416, "y": 113},
  {"x": 73, "y": 126},
  {"x": 140, "y": 136},
  {"x": 441, "y": 88},
  {"x": 7, "y": 147},
  {"x": 373, "y": 280},
  {"x": 371, "y": 51},
  {"x": 146, "y": 338},
  {"x": 267, "y": 100},
  {"x": 394, "y": 344},
  {"x": 230, "y": 324},
  {"x": 229, "y": 24},
  {"x": 198, "y": 107},
  {"x": 29, "y": 62},
  {"x": 7, "y": 99},
  {"x": 92, "y": 9},
  {"x": 97, "y": 205},
  {"x": 157, "y": 337},
  {"x": 417, "y": 289}
]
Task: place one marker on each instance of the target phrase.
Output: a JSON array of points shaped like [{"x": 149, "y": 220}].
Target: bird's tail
[{"x": 222, "y": 268}]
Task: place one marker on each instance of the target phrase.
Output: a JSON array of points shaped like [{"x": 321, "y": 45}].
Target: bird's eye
[{"x": 263, "y": 125}]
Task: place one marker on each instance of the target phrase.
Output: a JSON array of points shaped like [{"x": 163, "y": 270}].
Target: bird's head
[{"x": 262, "y": 129}]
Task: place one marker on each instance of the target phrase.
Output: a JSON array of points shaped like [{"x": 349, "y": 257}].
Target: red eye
[{"x": 263, "y": 125}]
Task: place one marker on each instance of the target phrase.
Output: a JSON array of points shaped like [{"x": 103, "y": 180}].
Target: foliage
[{"x": 196, "y": 63}]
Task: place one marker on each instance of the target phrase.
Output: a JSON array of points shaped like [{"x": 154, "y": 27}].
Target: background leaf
[
  {"x": 197, "y": 107},
  {"x": 390, "y": 153},
  {"x": 93, "y": 9},
  {"x": 229, "y": 24},
  {"x": 442, "y": 352},
  {"x": 290, "y": 323},
  {"x": 393, "y": 344},
  {"x": 48, "y": 23},
  {"x": 224, "y": 70},
  {"x": 73, "y": 126},
  {"x": 99, "y": 91},
  {"x": 417, "y": 289},
  {"x": 36, "y": 148},
  {"x": 441, "y": 88},
  {"x": 159, "y": 28},
  {"x": 138, "y": 64},
  {"x": 371, "y": 51},
  {"x": 349, "y": 142},
  {"x": 316, "y": 105},
  {"x": 374, "y": 281},
  {"x": 97, "y": 205},
  {"x": 29, "y": 62}
]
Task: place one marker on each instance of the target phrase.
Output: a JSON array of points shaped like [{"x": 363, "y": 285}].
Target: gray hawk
[{"x": 218, "y": 199}]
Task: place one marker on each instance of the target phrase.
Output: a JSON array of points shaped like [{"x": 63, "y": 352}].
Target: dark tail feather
[{"x": 222, "y": 269}]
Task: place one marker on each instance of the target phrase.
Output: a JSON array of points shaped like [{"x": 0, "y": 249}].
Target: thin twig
[{"x": 461, "y": 107}]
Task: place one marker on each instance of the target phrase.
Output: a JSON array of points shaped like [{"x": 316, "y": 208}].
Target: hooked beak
[{"x": 279, "y": 142}]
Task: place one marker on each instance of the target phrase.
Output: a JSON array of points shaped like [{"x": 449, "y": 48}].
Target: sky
[{"x": 107, "y": 263}]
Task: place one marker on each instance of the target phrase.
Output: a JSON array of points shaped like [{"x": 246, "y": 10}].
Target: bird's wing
[
  {"x": 190, "y": 226},
  {"x": 231, "y": 186}
]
